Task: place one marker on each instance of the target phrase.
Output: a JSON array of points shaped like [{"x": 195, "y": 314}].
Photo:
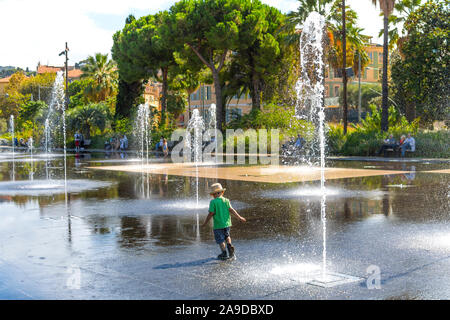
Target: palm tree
[
  {"x": 346, "y": 46},
  {"x": 387, "y": 6},
  {"x": 403, "y": 9},
  {"x": 104, "y": 74},
  {"x": 88, "y": 117},
  {"x": 334, "y": 17}
]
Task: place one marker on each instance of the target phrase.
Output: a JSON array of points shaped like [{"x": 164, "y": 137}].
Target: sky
[{"x": 36, "y": 31}]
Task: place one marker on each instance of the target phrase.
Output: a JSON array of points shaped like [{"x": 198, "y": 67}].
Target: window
[
  {"x": 336, "y": 91},
  {"x": 195, "y": 95},
  {"x": 371, "y": 57}
]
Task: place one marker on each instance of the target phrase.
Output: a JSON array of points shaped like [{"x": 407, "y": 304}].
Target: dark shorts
[{"x": 221, "y": 234}]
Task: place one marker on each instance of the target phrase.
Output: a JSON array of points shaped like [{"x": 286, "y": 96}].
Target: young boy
[{"x": 219, "y": 210}]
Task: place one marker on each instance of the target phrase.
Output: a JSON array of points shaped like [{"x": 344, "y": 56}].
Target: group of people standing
[
  {"x": 163, "y": 145},
  {"x": 405, "y": 143}
]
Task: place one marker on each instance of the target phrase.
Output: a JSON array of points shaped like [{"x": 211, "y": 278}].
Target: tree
[
  {"x": 403, "y": 9},
  {"x": 305, "y": 7},
  {"x": 104, "y": 74},
  {"x": 12, "y": 98},
  {"x": 31, "y": 111},
  {"x": 386, "y": 6},
  {"x": 87, "y": 118},
  {"x": 420, "y": 75},
  {"x": 334, "y": 49},
  {"x": 132, "y": 76},
  {"x": 39, "y": 86},
  {"x": 346, "y": 46},
  {"x": 368, "y": 92},
  {"x": 209, "y": 30},
  {"x": 77, "y": 91},
  {"x": 129, "y": 95},
  {"x": 143, "y": 50},
  {"x": 260, "y": 55}
]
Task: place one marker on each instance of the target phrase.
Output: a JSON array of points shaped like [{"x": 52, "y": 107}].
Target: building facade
[
  {"x": 205, "y": 95},
  {"x": 371, "y": 74},
  {"x": 72, "y": 73}
]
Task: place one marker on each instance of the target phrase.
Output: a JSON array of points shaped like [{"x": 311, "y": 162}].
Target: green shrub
[
  {"x": 365, "y": 139},
  {"x": 335, "y": 138},
  {"x": 274, "y": 117},
  {"x": 433, "y": 144}
]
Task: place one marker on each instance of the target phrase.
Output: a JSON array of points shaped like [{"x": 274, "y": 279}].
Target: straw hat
[{"x": 216, "y": 187}]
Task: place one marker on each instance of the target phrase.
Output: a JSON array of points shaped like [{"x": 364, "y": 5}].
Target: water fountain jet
[{"x": 310, "y": 106}]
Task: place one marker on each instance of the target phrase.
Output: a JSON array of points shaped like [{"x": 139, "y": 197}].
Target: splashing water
[
  {"x": 143, "y": 125},
  {"x": 11, "y": 125},
  {"x": 56, "y": 108},
  {"x": 213, "y": 125},
  {"x": 197, "y": 125},
  {"x": 310, "y": 90},
  {"x": 143, "y": 131}
]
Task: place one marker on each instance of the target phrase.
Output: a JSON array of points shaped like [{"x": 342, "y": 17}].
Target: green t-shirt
[{"x": 221, "y": 208}]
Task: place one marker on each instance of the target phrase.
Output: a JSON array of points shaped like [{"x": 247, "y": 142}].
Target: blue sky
[{"x": 33, "y": 31}]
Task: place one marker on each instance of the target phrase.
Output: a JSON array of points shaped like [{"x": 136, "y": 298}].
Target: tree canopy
[{"x": 420, "y": 75}]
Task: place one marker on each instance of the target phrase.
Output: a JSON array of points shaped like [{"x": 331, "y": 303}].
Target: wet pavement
[{"x": 132, "y": 235}]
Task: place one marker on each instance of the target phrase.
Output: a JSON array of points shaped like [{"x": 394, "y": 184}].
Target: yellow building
[
  {"x": 371, "y": 74},
  {"x": 3, "y": 84},
  {"x": 204, "y": 96},
  {"x": 152, "y": 92}
]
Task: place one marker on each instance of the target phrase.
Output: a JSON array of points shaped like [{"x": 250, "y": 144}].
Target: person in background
[
  {"x": 299, "y": 142},
  {"x": 77, "y": 137},
  {"x": 125, "y": 142},
  {"x": 165, "y": 148},
  {"x": 160, "y": 143},
  {"x": 122, "y": 147},
  {"x": 409, "y": 144},
  {"x": 389, "y": 143},
  {"x": 402, "y": 140}
]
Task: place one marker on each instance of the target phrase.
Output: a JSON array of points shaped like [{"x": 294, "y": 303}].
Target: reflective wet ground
[{"x": 124, "y": 235}]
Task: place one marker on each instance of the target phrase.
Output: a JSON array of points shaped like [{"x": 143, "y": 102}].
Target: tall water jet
[
  {"x": 46, "y": 144},
  {"x": 310, "y": 107},
  {"x": 143, "y": 126},
  {"x": 55, "y": 123},
  {"x": 55, "y": 113},
  {"x": 30, "y": 147},
  {"x": 213, "y": 125},
  {"x": 197, "y": 126},
  {"x": 143, "y": 131},
  {"x": 46, "y": 136},
  {"x": 13, "y": 143},
  {"x": 310, "y": 104}
]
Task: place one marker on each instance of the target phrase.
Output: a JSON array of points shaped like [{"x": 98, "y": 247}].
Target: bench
[{"x": 398, "y": 152}]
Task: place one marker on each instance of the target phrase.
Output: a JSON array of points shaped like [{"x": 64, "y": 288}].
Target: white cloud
[{"x": 32, "y": 31}]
